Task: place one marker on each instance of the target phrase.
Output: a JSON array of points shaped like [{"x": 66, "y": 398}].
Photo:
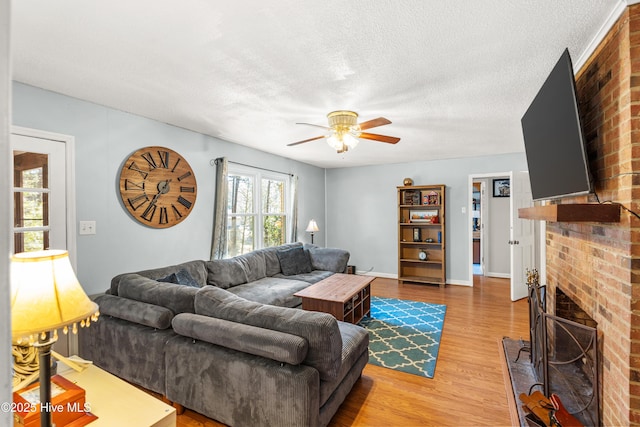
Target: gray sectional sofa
[{"x": 226, "y": 337}]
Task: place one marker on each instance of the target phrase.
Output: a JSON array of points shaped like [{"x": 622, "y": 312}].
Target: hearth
[{"x": 564, "y": 353}]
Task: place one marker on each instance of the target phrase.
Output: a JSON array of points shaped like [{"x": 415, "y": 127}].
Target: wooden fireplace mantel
[{"x": 590, "y": 212}]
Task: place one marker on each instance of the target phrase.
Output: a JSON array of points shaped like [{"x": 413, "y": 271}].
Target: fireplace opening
[{"x": 564, "y": 353}]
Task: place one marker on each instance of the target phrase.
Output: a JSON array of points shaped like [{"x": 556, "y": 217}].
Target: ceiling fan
[{"x": 344, "y": 131}]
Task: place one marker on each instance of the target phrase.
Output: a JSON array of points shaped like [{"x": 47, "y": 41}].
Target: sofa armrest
[
  {"x": 149, "y": 315},
  {"x": 328, "y": 259},
  {"x": 267, "y": 343}
]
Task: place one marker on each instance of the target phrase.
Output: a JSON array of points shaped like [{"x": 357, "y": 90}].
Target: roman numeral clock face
[{"x": 158, "y": 187}]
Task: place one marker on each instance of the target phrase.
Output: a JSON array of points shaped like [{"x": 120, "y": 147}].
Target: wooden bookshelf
[{"x": 421, "y": 241}]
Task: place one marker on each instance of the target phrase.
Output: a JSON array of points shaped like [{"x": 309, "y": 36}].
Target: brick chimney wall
[{"x": 598, "y": 264}]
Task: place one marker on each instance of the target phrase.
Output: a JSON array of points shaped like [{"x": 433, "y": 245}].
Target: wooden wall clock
[{"x": 158, "y": 187}]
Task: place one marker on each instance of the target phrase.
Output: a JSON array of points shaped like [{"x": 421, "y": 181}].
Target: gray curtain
[
  {"x": 219, "y": 241},
  {"x": 293, "y": 227}
]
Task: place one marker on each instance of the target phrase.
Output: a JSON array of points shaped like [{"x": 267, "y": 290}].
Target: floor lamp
[
  {"x": 46, "y": 296},
  {"x": 312, "y": 228}
]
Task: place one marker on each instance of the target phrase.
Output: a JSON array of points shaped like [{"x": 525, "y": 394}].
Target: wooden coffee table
[{"x": 346, "y": 296}]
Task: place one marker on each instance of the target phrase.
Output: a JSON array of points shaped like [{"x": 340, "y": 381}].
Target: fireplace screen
[{"x": 571, "y": 367}]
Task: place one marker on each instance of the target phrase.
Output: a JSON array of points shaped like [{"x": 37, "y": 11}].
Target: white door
[
  {"x": 39, "y": 194},
  {"x": 43, "y": 201},
  {"x": 521, "y": 235}
]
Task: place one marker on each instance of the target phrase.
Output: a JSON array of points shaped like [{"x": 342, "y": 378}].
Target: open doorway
[
  {"x": 477, "y": 238},
  {"x": 489, "y": 225}
]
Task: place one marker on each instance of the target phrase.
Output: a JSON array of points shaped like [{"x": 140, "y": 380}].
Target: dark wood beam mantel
[{"x": 581, "y": 212}]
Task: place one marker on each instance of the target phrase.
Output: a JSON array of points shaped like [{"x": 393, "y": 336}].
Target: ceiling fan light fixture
[
  {"x": 335, "y": 142},
  {"x": 350, "y": 140},
  {"x": 345, "y": 131}
]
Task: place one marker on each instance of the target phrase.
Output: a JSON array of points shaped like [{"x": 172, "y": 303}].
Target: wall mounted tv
[{"x": 553, "y": 138}]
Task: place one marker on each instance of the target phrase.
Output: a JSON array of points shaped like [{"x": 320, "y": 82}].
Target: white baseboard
[
  {"x": 499, "y": 275},
  {"x": 395, "y": 276},
  {"x": 460, "y": 283}
]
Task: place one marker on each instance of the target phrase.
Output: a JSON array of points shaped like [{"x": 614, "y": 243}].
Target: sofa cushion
[
  {"x": 267, "y": 343},
  {"x": 319, "y": 329},
  {"x": 313, "y": 277},
  {"x": 253, "y": 265},
  {"x": 177, "y": 298},
  {"x": 271, "y": 290},
  {"x": 196, "y": 269},
  {"x": 135, "y": 311},
  {"x": 272, "y": 262},
  {"x": 225, "y": 273},
  {"x": 328, "y": 259},
  {"x": 181, "y": 277},
  {"x": 294, "y": 261}
]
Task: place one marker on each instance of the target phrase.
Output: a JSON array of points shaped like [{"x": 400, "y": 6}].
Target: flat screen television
[{"x": 553, "y": 137}]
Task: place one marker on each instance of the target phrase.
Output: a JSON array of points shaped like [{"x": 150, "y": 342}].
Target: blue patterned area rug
[{"x": 404, "y": 335}]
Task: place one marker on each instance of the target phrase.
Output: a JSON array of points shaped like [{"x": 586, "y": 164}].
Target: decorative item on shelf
[
  {"x": 428, "y": 240},
  {"x": 431, "y": 198},
  {"x": 435, "y": 219},
  {"x": 46, "y": 296},
  {"x": 408, "y": 182},
  {"x": 411, "y": 197},
  {"x": 422, "y": 254},
  {"x": 422, "y": 216},
  {"x": 417, "y": 234},
  {"x": 312, "y": 228}
]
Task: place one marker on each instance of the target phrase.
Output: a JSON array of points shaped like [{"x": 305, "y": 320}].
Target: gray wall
[
  {"x": 104, "y": 138},
  {"x": 6, "y": 417},
  {"x": 362, "y": 211}
]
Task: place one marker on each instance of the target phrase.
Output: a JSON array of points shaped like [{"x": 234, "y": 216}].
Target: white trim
[
  {"x": 499, "y": 275},
  {"x": 485, "y": 213},
  {"x": 602, "y": 32},
  {"x": 70, "y": 181},
  {"x": 376, "y": 274},
  {"x": 395, "y": 276},
  {"x": 257, "y": 175}
]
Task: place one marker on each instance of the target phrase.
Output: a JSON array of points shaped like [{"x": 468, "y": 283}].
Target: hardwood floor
[{"x": 468, "y": 386}]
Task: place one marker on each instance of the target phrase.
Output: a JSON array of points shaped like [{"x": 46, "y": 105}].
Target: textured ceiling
[{"x": 454, "y": 77}]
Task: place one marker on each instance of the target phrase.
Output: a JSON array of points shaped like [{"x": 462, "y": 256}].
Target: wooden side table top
[
  {"x": 338, "y": 287},
  {"x": 118, "y": 403}
]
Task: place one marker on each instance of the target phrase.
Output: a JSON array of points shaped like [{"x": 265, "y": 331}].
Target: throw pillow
[
  {"x": 294, "y": 261},
  {"x": 181, "y": 277}
]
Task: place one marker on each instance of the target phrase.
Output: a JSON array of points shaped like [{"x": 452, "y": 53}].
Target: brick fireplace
[{"x": 597, "y": 265}]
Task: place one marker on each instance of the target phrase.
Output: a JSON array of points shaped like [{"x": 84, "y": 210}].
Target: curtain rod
[{"x": 213, "y": 162}]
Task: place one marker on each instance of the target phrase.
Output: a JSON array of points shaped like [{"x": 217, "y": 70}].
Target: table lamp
[
  {"x": 312, "y": 228},
  {"x": 46, "y": 296}
]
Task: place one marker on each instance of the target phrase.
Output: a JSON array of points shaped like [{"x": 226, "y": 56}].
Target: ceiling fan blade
[
  {"x": 381, "y": 138},
  {"x": 306, "y": 140},
  {"x": 380, "y": 121},
  {"x": 311, "y": 124}
]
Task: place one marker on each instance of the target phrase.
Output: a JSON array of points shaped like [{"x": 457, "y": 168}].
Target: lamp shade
[
  {"x": 312, "y": 227},
  {"x": 45, "y": 293}
]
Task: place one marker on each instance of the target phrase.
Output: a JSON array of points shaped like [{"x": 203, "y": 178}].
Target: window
[
  {"x": 257, "y": 210},
  {"x": 31, "y": 201}
]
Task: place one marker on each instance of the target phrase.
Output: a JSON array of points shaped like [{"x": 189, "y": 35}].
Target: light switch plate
[{"x": 87, "y": 227}]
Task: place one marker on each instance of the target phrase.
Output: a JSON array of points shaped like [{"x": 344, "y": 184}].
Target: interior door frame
[
  {"x": 70, "y": 181},
  {"x": 485, "y": 213}
]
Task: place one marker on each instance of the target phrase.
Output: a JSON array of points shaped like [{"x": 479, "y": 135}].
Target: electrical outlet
[{"x": 87, "y": 227}]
